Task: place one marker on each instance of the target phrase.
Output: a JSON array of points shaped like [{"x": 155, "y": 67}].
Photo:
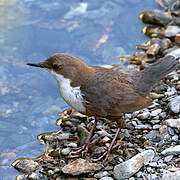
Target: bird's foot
[
  {"x": 107, "y": 153},
  {"x": 85, "y": 148}
]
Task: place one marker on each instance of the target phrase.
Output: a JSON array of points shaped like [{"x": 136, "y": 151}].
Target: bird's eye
[{"x": 56, "y": 66}]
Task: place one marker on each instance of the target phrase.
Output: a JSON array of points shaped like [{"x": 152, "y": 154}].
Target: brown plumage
[{"x": 101, "y": 92}]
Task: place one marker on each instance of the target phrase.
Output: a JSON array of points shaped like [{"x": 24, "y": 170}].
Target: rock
[
  {"x": 65, "y": 151},
  {"x": 143, "y": 126},
  {"x": 171, "y": 151},
  {"x": 81, "y": 166},
  {"x": 106, "y": 178},
  {"x": 171, "y": 31},
  {"x": 144, "y": 115},
  {"x": 174, "y": 123},
  {"x": 175, "y": 138},
  {"x": 174, "y": 105},
  {"x": 73, "y": 145},
  {"x": 132, "y": 166},
  {"x": 33, "y": 176},
  {"x": 101, "y": 174},
  {"x": 171, "y": 174},
  {"x": 153, "y": 177},
  {"x": 156, "y": 112},
  {"x": 25, "y": 165},
  {"x": 168, "y": 158}
]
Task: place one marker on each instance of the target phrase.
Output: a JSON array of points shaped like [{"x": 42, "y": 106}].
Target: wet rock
[
  {"x": 25, "y": 165},
  {"x": 174, "y": 123},
  {"x": 81, "y": 166},
  {"x": 171, "y": 174},
  {"x": 131, "y": 166},
  {"x": 153, "y": 49},
  {"x": 171, "y": 151},
  {"x": 174, "y": 105},
  {"x": 33, "y": 176},
  {"x": 155, "y": 18},
  {"x": 65, "y": 151}
]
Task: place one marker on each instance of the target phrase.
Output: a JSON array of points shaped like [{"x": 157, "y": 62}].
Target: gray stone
[
  {"x": 128, "y": 168},
  {"x": 81, "y": 166},
  {"x": 33, "y": 176},
  {"x": 156, "y": 112},
  {"x": 154, "y": 177},
  {"x": 175, "y": 138},
  {"x": 144, "y": 115},
  {"x": 172, "y": 174},
  {"x": 65, "y": 151},
  {"x": 174, "y": 123},
  {"x": 171, "y": 151},
  {"x": 143, "y": 126},
  {"x": 168, "y": 158},
  {"x": 106, "y": 178},
  {"x": 174, "y": 104},
  {"x": 101, "y": 174},
  {"x": 73, "y": 145}
]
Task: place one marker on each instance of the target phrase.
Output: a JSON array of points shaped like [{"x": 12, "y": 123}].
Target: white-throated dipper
[{"x": 101, "y": 92}]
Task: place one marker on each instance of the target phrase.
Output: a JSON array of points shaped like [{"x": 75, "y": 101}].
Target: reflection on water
[{"x": 95, "y": 31}]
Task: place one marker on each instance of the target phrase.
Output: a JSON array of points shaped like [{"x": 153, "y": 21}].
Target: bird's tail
[{"x": 145, "y": 79}]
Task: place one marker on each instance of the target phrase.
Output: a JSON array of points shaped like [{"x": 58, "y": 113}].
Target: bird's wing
[{"x": 107, "y": 95}]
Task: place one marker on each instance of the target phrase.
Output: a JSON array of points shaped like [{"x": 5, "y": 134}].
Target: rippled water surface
[{"x": 97, "y": 32}]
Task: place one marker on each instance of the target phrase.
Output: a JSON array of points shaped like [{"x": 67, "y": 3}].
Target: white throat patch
[{"x": 72, "y": 95}]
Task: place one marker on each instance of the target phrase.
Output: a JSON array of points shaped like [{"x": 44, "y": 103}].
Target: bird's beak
[{"x": 36, "y": 65}]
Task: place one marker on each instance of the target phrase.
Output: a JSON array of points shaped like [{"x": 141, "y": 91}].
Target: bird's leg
[
  {"x": 85, "y": 147},
  {"x": 120, "y": 124}
]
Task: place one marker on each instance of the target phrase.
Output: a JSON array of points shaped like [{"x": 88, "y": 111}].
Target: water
[{"x": 97, "y": 32}]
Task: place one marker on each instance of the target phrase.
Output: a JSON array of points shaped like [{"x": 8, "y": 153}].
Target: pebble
[
  {"x": 171, "y": 174},
  {"x": 65, "y": 151},
  {"x": 101, "y": 174},
  {"x": 106, "y": 178},
  {"x": 168, "y": 158},
  {"x": 73, "y": 145},
  {"x": 143, "y": 126},
  {"x": 174, "y": 104},
  {"x": 154, "y": 177},
  {"x": 156, "y": 112},
  {"x": 132, "y": 166},
  {"x": 171, "y": 151},
  {"x": 175, "y": 138},
  {"x": 33, "y": 176},
  {"x": 171, "y": 131},
  {"x": 144, "y": 115},
  {"x": 81, "y": 166},
  {"x": 174, "y": 123}
]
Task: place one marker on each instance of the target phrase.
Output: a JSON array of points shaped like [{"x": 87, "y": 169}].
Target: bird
[{"x": 102, "y": 92}]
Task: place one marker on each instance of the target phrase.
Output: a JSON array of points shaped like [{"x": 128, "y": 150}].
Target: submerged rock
[
  {"x": 128, "y": 168},
  {"x": 25, "y": 165}
]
